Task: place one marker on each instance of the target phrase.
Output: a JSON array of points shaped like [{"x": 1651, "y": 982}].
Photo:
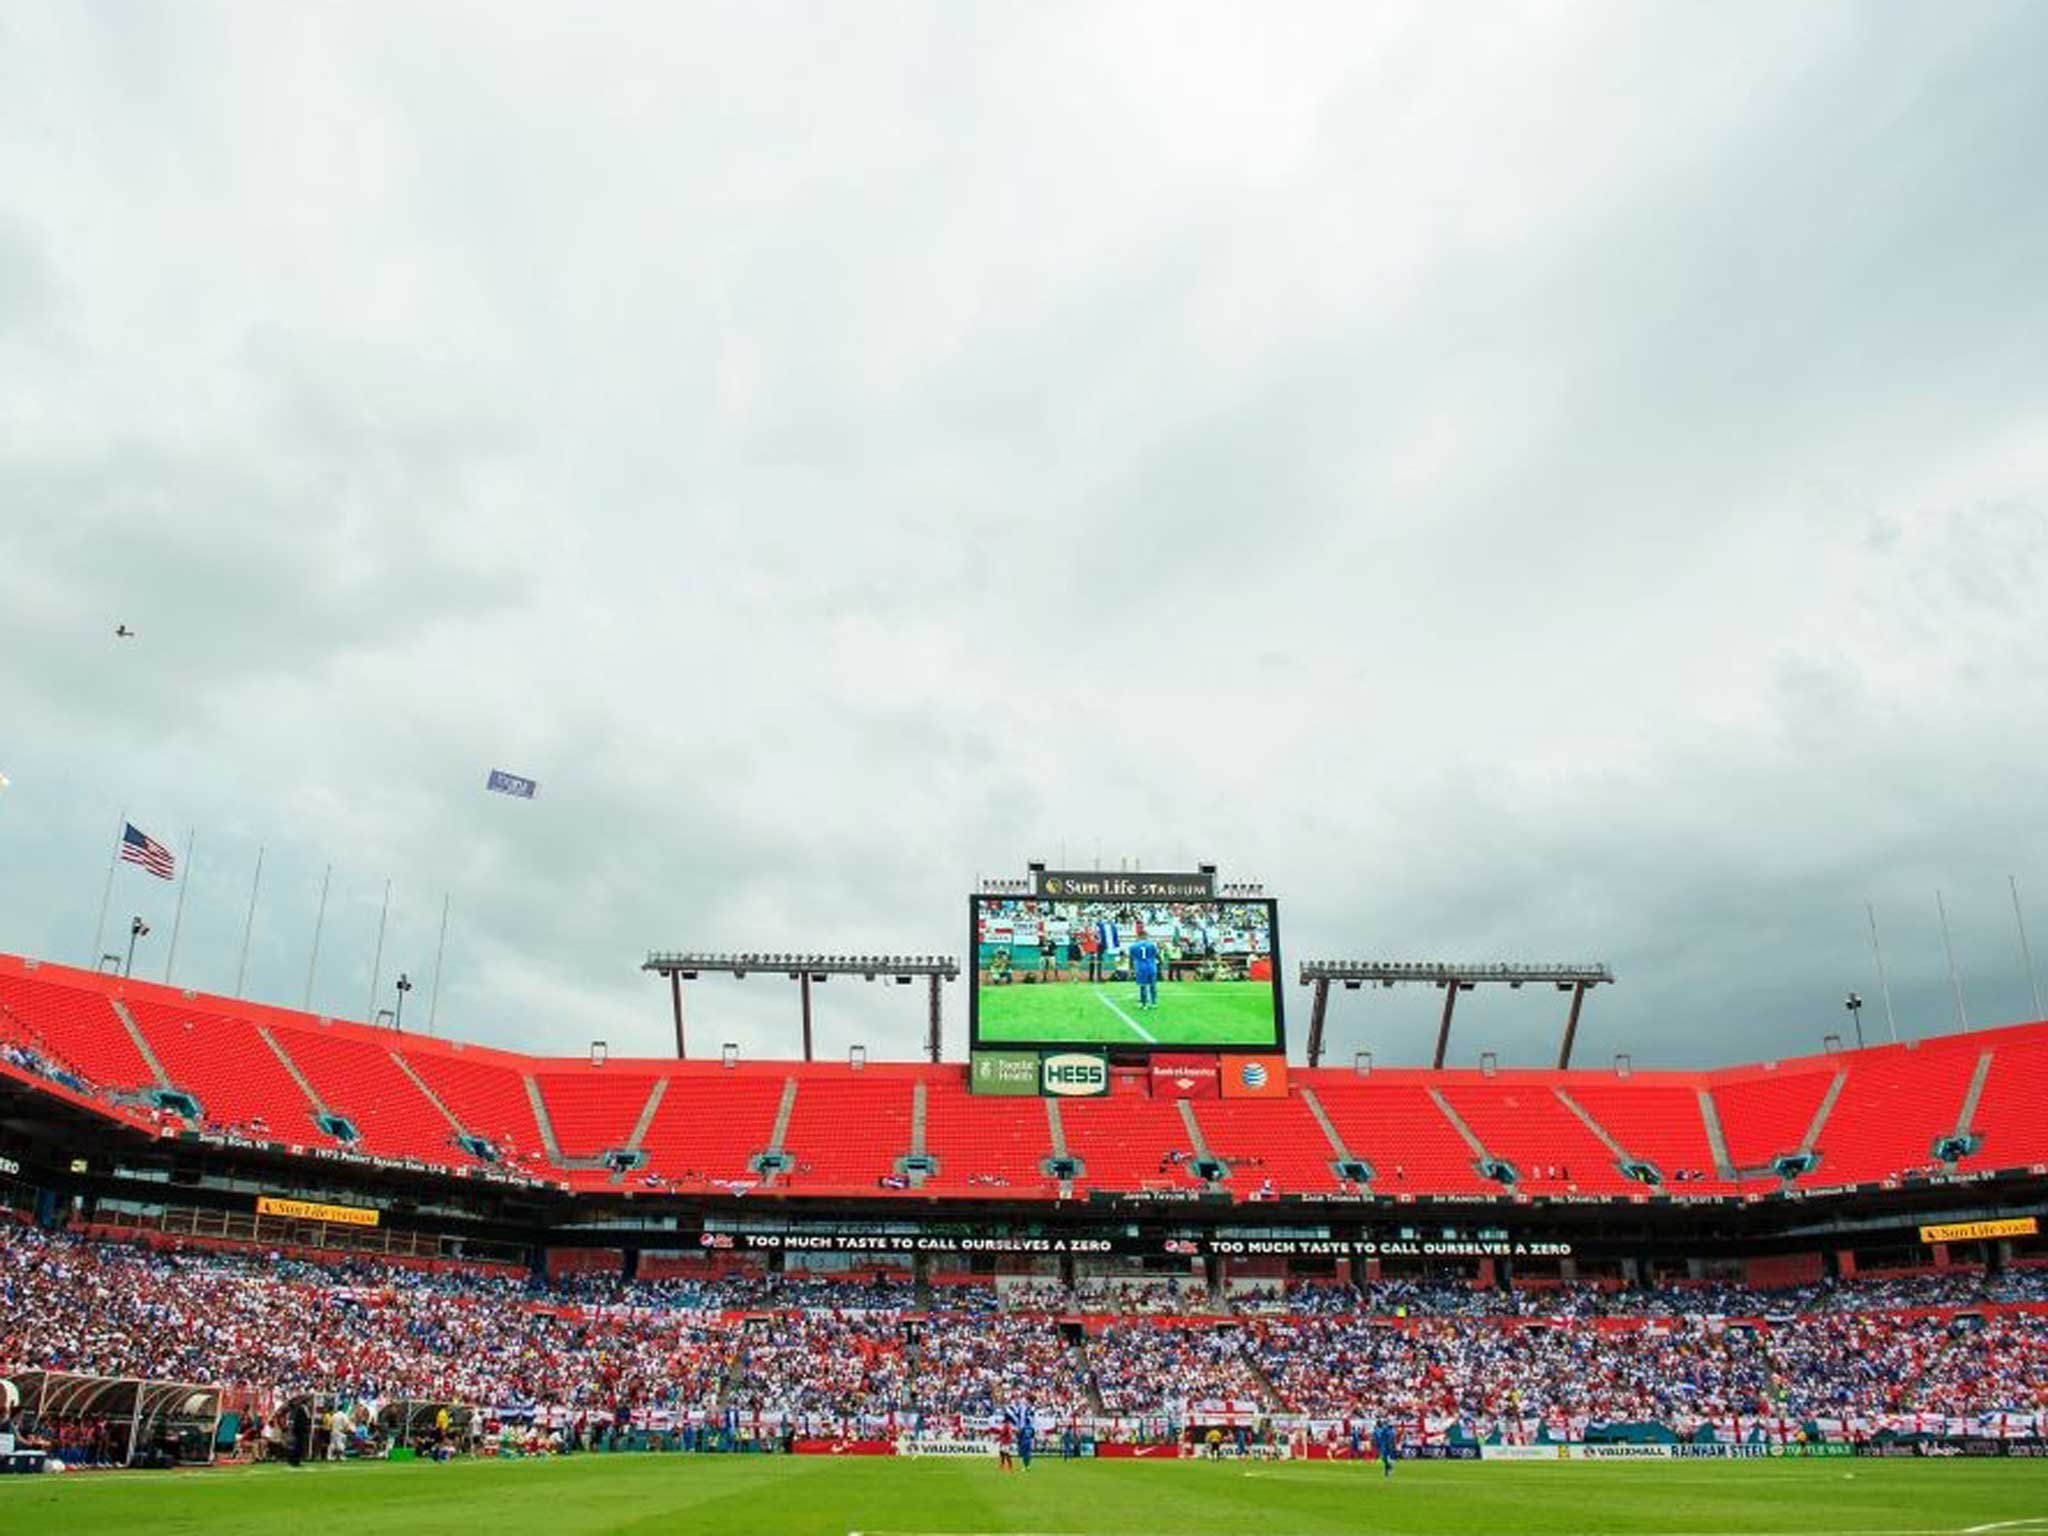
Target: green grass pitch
[
  {"x": 676, "y": 1495},
  {"x": 1190, "y": 1013}
]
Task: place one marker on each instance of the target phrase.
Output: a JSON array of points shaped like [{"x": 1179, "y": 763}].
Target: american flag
[{"x": 138, "y": 847}]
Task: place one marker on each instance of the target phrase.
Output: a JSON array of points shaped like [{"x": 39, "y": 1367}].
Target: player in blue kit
[
  {"x": 1383, "y": 1441},
  {"x": 1144, "y": 958}
]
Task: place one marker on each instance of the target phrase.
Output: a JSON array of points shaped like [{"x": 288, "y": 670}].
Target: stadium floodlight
[
  {"x": 599, "y": 1052},
  {"x": 729, "y": 1054},
  {"x": 807, "y": 970},
  {"x": 1451, "y": 977}
]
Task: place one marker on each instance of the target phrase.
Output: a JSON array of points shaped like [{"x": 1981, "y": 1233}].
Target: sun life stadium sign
[{"x": 1093, "y": 885}]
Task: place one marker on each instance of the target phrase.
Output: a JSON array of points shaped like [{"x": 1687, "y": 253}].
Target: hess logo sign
[{"x": 1073, "y": 1074}]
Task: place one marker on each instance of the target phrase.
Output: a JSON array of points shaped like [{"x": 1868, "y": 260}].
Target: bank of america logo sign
[{"x": 1253, "y": 1074}]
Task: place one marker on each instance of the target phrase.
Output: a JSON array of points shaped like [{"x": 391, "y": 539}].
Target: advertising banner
[
  {"x": 913, "y": 1445},
  {"x": 1255, "y": 1077},
  {"x": 1073, "y": 1074},
  {"x": 843, "y": 1448},
  {"x": 1976, "y": 1231},
  {"x": 1009, "y": 1073},
  {"x": 1524, "y": 1453},
  {"x": 1095, "y": 885},
  {"x": 312, "y": 1210},
  {"x": 1176, "y": 1076}
]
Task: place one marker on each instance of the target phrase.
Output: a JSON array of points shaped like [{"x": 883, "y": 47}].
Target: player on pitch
[{"x": 1144, "y": 958}]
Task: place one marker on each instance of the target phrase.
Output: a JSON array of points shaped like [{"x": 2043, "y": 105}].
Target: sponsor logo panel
[
  {"x": 1255, "y": 1077},
  {"x": 1010, "y": 1073},
  {"x": 1073, "y": 1074},
  {"x": 1177, "y": 1076}
]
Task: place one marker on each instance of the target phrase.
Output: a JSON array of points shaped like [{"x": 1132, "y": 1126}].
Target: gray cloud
[{"x": 1522, "y": 484}]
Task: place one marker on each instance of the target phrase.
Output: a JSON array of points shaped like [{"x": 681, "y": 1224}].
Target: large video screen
[{"x": 1171, "y": 975}]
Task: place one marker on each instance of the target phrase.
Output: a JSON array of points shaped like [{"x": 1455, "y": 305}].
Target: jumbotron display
[{"x": 1174, "y": 974}]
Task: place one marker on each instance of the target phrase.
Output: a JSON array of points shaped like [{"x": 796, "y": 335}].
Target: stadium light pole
[
  {"x": 680, "y": 966},
  {"x": 398, "y": 1016},
  {"x": 1318, "y": 1013},
  {"x": 1854, "y": 1004},
  {"x": 804, "y": 977},
  {"x": 137, "y": 928}
]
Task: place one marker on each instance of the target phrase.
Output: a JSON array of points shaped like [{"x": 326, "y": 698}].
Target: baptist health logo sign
[
  {"x": 1073, "y": 1074},
  {"x": 1004, "y": 1072}
]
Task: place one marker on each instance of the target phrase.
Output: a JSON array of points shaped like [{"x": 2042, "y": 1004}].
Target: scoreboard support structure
[{"x": 1577, "y": 979}]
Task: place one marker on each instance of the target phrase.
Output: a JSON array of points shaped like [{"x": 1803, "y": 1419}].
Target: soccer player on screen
[{"x": 1144, "y": 958}]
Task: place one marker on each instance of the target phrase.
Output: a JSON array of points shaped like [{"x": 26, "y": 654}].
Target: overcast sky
[{"x": 1534, "y": 482}]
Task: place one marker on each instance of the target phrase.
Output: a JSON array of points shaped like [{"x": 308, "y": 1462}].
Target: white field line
[{"x": 1143, "y": 1034}]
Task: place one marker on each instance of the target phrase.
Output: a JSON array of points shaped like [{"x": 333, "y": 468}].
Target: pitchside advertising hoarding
[
  {"x": 1393, "y": 1242},
  {"x": 1126, "y": 963}
]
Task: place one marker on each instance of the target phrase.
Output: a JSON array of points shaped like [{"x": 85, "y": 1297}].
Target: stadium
[
  {"x": 246, "y": 1237},
  {"x": 1085, "y": 768}
]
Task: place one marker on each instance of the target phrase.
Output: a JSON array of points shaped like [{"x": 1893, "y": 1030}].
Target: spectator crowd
[{"x": 832, "y": 1352}]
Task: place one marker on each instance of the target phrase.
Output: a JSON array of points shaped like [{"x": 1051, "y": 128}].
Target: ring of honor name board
[{"x": 1125, "y": 972}]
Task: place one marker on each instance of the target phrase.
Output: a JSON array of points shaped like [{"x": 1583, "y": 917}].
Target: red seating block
[
  {"x": 79, "y": 1025},
  {"x": 356, "y": 1077}
]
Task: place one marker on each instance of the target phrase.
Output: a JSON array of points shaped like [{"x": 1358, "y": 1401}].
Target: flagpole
[
  {"x": 1955, "y": 976},
  {"x": 440, "y": 949},
  {"x": 99, "y": 929},
  {"x": 178, "y": 917},
  {"x": 1883, "y": 985},
  {"x": 249, "y": 923},
  {"x": 377, "y": 962},
  {"x": 319, "y": 920},
  {"x": 2026, "y": 953}
]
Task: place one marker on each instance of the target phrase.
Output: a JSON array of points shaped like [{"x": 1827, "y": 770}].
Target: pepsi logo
[{"x": 1253, "y": 1074}]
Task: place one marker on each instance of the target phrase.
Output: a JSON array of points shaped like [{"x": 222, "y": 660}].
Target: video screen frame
[{"x": 977, "y": 1041}]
